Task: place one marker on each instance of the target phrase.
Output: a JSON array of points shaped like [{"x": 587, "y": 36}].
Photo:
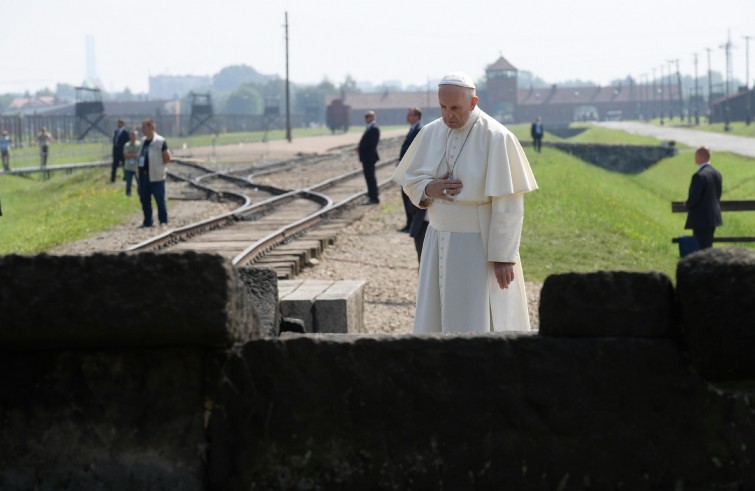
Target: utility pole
[
  {"x": 655, "y": 95},
  {"x": 727, "y": 49},
  {"x": 679, "y": 88},
  {"x": 747, "y": 78},
  {"x": 288, "y": 92},
  {"x": 663, "y": 95},
  {"x": 697, "y": 96},
  {"x": 710, "y": 86}
]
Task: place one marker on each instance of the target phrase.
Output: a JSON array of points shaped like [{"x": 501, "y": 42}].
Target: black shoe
[
  {"x": 371, "y": 202},
  {"x": 145, "y": 226},
  {"x": 405, "y": 229}
]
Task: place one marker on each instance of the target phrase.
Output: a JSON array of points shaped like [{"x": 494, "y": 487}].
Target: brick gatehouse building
[{"x": 503, "y": 98}]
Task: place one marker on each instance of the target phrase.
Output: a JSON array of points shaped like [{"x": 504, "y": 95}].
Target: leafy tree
[
  {"x": 65, "y": 92},
  {"x": 326, "y": 85},
  {"x": 232, "y": 77},
  {"x": 526, "y": 79},
  {"x": 5, "y": 101},
  {"x": 44, "y": 92},
  {"x": 244, "y": 100},
  {"x": 349, "y": 85}
]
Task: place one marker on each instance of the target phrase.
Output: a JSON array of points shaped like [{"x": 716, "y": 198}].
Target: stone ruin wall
[{"x": 132, "y": 372}]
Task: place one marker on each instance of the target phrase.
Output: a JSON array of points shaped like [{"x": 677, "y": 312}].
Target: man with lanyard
[{"x": 153, "y": 157}]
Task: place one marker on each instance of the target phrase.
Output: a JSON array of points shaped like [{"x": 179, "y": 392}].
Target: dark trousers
[
  {"x": 6, "y": 160},
  {"x": 128, "y": 176},
  {"x": 369, "y": 176},
  {"x": 704, "y": 236},
  {"x": 114, "y": 169},
  {"x": 44, "y": 152},
  {"x": 537, "y": 142},
  {"x": 147, "y": 190},
  {"x": 409, "y": 209},
  {"x": 419, "y": 239}
]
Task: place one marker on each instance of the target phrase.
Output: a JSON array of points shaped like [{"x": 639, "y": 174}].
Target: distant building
[
  {"x": 506, "y": 101},
  {"x": 31, "y": 105},
  {"x": 390, "y": 107},
  {"x": 176, "y": 86},
  {"x": 736, "y": 107}
]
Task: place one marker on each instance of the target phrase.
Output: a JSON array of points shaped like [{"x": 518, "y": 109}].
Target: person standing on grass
[
  {"x": 131, "y": 150},
  {"x": 703, "y": 201},
  {"x": 153, "y": 156},
  {"x": 44, "y": 138},
  {"x": 537, "y": 134},
  {"x": 120, "y": 137},
  {"x": 5, "y": 149}
]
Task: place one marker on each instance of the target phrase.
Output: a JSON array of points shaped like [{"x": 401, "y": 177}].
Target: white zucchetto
[{"x": 460, "y": 79}]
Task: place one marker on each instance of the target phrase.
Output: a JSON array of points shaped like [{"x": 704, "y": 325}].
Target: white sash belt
[{"x": 462, "y": 218}]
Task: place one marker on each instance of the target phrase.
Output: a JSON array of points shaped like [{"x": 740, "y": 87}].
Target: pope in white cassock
[{"x": 471, "y": 174}]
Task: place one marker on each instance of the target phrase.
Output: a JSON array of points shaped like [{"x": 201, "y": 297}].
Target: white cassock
[{"x": 458, "y": 290}]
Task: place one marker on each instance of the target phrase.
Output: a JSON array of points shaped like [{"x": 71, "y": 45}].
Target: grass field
[
  {"x": 38, "y": 215},
  {"x": 738, "y": 128},
  {"x": 69, "y": 153},
  {"x": 592, "y": 134},
  {"x": 583, "y": 218}
]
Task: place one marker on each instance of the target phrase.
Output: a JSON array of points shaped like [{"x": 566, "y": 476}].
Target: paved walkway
[{"x": 717, "y": 142}]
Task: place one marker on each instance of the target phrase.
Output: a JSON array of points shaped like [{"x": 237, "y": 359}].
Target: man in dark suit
[
  {"x": 537, "y": 134},
  {"x": 120, "y": 138},
  {"x": 703, "y": 207},
  {"x": 413, "y": 118},
  {"x": 368, "y": 156}
]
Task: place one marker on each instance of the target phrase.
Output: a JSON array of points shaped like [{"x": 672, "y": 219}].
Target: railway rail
[{"x": 281, "y": 228}]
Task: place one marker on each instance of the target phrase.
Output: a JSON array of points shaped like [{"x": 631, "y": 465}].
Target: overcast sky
[{"x": 376, "y": 40}]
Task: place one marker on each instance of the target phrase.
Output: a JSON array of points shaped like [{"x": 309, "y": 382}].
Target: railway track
[{"x": 279, "y": 228}]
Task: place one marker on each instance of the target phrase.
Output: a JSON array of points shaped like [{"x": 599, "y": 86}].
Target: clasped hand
[{"x": 443, "y": 188}]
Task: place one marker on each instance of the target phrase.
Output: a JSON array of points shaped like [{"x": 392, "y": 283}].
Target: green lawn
[
  {"x": 593, "y": 134},
  {"x": 74, "y": 152},
  {"x": 38, "y": 215},
  {"x": 738, "y": 128},
  {"x": 60, "y": 153},
  {"x": 585, "y": 218}
]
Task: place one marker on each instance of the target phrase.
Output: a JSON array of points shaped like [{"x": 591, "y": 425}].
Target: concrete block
[
  {"x": 103, "y": 419},
  {"x": 472, "y": 412},
  {"x": 123, "y": 300},
  {"x": 607, "y": 303},
  {"x": 299, "y": 302},
  {"x": 716, "y": 292},
  {"x": 262, "y": 286},
  {"x": 340, "y": 308}
]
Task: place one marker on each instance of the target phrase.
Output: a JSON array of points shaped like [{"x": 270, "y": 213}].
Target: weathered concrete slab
[
  {"x": 474, "y": 412},
  {"x": 340, "y": 308},
  {"x": 607, "y": 303},
  {"x": 102, "y": 419},
  {"x": 122, "y": 300},
  {"x": 262, "y": 286},
  {"x": 716, "y": 291},
  {"x": 299, "y": 303}
]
